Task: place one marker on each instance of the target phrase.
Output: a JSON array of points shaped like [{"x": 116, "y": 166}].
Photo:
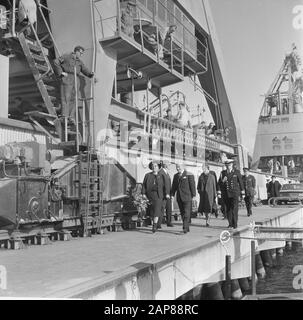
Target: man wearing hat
[
  {"x": 184, "y": 186},
  {"x": 232, "y": 186},
  {"x": 249, "y": 182},
  {"x": 167, "y": 204}
]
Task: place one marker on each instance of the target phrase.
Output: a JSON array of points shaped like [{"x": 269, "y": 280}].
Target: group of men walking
[{"x": 160, "y": 191}]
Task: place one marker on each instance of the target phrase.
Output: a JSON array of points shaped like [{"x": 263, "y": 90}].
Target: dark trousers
[
  {"x": 232, "y": 211},
  {"x": 166, "y": 208},
  {"x": 248, "y": 202},
  {"x": 223, "y": 204},
  {"x": 185, "y": 210},
  {"x": 68, "y": 96}
]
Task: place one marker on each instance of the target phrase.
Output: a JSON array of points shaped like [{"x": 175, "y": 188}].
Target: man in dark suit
[
  {"x": 249, "y": 182},
  {"x": 167, "y": 203},
  {"x": 184, "y": 186},
  {"x": 273, "y": 188},
  {"x": 232, "y": 186}
]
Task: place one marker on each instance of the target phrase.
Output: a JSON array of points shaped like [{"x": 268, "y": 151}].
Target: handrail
[
  {"x": 94, "y": 62},
  {"x": 49, "y": 68}
]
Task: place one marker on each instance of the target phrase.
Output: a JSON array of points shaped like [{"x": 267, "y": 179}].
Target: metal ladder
[{"x": 93, "y": 198}]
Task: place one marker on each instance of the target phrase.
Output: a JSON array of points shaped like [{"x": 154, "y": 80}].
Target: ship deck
[{"x": 65, "y": 269}]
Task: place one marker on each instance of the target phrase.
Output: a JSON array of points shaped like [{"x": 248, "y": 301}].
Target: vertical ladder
[{"x": 93, "y": 192}]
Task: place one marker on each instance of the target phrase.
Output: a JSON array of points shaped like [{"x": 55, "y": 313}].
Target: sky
[{"x": 254, "y": 36}]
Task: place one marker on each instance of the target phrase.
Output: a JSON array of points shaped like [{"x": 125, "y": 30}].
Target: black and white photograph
[{"x": 151, "y": 150}]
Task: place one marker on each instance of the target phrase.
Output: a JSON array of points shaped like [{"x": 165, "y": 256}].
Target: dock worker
[
  {"x": 64, "y": 68},
  {"x": 249, "y": 182},
  {"x": 273, "y": 188},
  {"x": 184, "y": 186},
  {"x": 233, "y": 187}
]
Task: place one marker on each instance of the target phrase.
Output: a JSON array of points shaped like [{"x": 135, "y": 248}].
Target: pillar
[
  {"x": 212, "y": 291},
  {"x": 259, "y": 267},
  {"x": 236, "y": 292},
  {"x": 266, "y": 258}
]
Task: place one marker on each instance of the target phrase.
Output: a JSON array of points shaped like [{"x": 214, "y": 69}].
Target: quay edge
[{"x": 172, "y": 275}]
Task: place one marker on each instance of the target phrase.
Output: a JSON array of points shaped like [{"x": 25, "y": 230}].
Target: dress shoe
[{"x": 170, "y": 225}]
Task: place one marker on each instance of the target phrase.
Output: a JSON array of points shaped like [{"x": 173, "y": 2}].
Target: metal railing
[{"x": 176, "y": 50}]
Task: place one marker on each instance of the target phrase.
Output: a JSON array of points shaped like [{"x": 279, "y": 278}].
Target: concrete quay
[{"x": 139, "y": 265}]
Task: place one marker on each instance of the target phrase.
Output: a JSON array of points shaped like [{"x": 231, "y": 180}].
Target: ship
[
  {"x": 278, "y": 146},
  {"x": 81, "y": 178}
]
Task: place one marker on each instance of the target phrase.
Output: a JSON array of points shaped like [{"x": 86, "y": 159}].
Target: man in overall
[{"x": 65, "y": 67}]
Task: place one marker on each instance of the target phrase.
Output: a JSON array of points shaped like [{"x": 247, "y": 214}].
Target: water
[{"x": 280, "y": 278}]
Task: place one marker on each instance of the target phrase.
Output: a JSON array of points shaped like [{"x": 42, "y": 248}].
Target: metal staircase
[{"x": 43, "y": 74}]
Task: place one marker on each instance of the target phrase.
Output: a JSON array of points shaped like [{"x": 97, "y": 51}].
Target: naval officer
[{"x": 232, "y": 186}]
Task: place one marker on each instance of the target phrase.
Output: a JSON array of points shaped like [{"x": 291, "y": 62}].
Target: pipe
[
  {"x": 253, "y": 267},
  {"x": 94, "y": 65}
]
